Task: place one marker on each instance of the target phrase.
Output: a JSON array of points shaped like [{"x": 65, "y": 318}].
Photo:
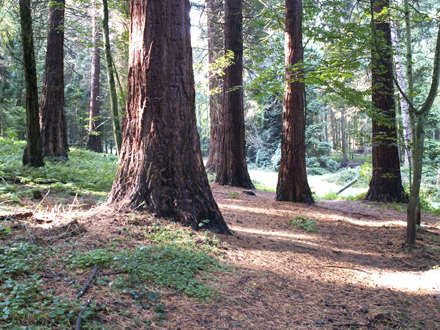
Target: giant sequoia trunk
[
  {"x": 33, "y": 154},
  {"x": 292, "y": 177},
  {"x": 215, "y": 43},
  {"x": 53, "y": 122},
  {"x": 161, "y": 168},
  {"x": 386, "y": 182},
  {"x": 232, "y": 168},
  {"x": 94, "y": 139}
]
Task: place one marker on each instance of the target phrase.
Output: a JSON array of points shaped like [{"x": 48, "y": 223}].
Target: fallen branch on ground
[
  {"x": 78, "y": 319},
  {"x": 16, "y": 216},
  {"x": 86, "y": 286}
]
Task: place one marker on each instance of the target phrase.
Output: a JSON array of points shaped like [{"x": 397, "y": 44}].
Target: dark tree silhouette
[
  {"x": 161, "y": 167},
  {"x": 33, "y": 153},
  {"x": 386, "y": 182},
  {"x": 232, "y": 169},
  {"x": 215, "y": 47},
  {"x": 53, "y": 122},
  {"x": 94, "y": 139}
]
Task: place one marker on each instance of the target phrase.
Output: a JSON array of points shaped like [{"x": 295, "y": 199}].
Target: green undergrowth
[
  {"x": 304, "y": 223},
  {"x": 171, "y": 258},
  {"x": 85, "y": 172},
  {"x": 335, "y": 196}
]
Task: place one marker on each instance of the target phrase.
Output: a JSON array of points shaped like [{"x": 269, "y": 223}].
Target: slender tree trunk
[
  {"x": 292, "y": 178},
  {"x": 213, "y": 9},
  {"x": 33, "y": 153},
  {"x": 94, "y": 138},
  {"x": 386, "y": 181},
  {"x": 232, "y": 165},
  {"x": 343, "y": 139},
  {"x": 404, "y": 104},
  {"x": 413, "y": 211},
  {"x": 111, "y": 80},
  {"x": 53, "y": 121},
  {"x": 161, "y": 168},
  {"x": 326, "y": 122}
]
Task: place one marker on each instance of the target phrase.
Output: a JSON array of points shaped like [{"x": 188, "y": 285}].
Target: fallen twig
[
  {"x": 86, "y": 286},
  {"x": 36, "y": 207},
  {"x": 16, "y": 216},
  {"x": 78, "y": 319},
  {"x": 429, "y": 232}
]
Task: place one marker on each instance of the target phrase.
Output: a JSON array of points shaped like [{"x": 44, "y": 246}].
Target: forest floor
[{"x": 331, "y": 265}]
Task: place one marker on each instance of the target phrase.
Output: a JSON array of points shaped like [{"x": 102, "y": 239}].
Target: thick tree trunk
[
  {"x": 53, "y": 121},
  {"x": 161, "y": 168},
  {"x": 111, "y": 80},
  {"x": 386, "y": 182},
  {"x": 215, "y": 41},
  {"x": 94, "y": 139},
  {"x": 292, "y": 178},
  {"x": 33, "y": 153},
  {"x": 232, "y": 168}
]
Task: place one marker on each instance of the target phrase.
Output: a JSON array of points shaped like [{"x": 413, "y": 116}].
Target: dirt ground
[{"x": 353, "y": 272}]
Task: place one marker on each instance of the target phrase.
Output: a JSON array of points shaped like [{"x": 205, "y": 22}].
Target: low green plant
[
  {"x": 232, "y": 194},
  {"x": 304, "y": 223},
  {"x": 330, "y": 196}
]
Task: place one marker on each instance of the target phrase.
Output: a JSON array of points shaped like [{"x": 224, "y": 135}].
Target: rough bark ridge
[
  {"x": 386, "y": 182},
  {"x": 94, "y": 138},
  {"x": 292, "y": 177},
  {"x": 215, "y": 43},
  {"x": 161, "y": 167},
  {"x": 232, "y": 165},
  {"x": 53, "y": 122},
  {"x": 33, "y": 154}
]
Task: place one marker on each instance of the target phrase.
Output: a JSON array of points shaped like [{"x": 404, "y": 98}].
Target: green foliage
[
  {"x": 232, "y": 194},
  {"x": 85, "y": 170},
  {"x": 345, "y": 175},
  {"x": 304, "y": 224}
]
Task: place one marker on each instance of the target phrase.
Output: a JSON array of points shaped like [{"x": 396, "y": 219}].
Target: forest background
[{"x": 337, "y": 43}]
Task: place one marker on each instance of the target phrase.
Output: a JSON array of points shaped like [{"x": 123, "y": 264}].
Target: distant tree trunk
[
  {"x": 94, "y": 139},
  {"x": 343, "y": 139},
  {"x": 292, "y": 178},
  {"x": 111, "y": 80},
  {"x": 326, "y": 122},
  {"x": 161, "y": 168},
  {"x": 386, "y": 181},
  {"x": 33, "y": 153},
  {"x": 53, "y": 121},
  {"x": 213, "y": 9},
  {"x": 232, "y": 168}
]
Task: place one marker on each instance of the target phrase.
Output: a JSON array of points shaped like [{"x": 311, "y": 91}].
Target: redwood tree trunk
[
  {"x": 161, "y": 168},
  {"x": 215, "y": 40},
  {"x": 33, "y": 153},
  {"x": 232, "y": 165},
  {"x": 292, "y": 177},
  {"x": 53, "y": 122},
  {"x": 94, "y": 139},
  {"x": 386, "y": 182}
]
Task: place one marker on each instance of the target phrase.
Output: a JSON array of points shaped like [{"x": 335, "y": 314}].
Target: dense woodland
[{"x": 148, "y": 108}]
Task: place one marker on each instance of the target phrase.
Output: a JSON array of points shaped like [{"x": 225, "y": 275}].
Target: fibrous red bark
[
  {"x": 161, "y": 168},
  {"x": 53, "y": 122},
  {"x": 292, "y": 178}
]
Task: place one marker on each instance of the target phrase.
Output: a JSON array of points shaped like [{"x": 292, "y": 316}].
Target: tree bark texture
[
  {"x": 386, "y": 181},
  {"x": 161, "y": 168},
  {"x": 94, "y": 139},
  {"x": 33, "y": 153},
  {"x": 292, "y": 177},
  {"x": 111, "y": 80},
  {"x": 232, "y": 168},
  {"x": 53, "y": 121},
  {"x": 215, "y": 48}
]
